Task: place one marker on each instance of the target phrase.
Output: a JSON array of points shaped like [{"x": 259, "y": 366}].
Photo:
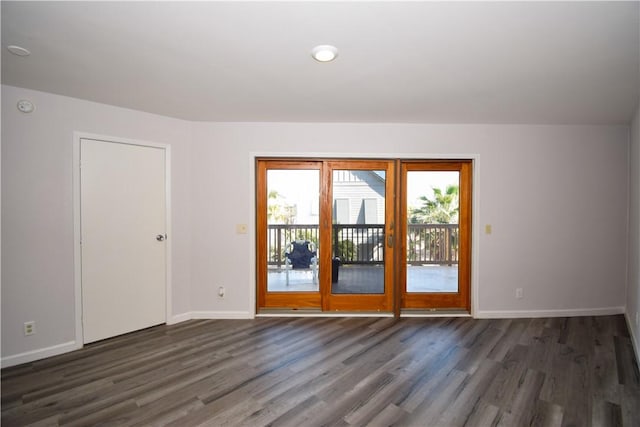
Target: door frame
[
  {"x": 475, "y": 228},
  {"x": 77, "y": 234}
]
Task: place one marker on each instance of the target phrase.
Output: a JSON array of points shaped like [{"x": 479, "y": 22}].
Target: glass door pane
[
  {"x": 358, "y": 232},
  {"x": 433, "y": 230},
  {"x": 292, "y": 212}
]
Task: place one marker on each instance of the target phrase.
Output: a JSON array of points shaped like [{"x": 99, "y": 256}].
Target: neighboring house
[
  {"x": 358, "y": 214},
  {"x": 358, "y": 197}
]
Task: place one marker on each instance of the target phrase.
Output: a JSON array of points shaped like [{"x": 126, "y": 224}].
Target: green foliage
[
  {"x": 442, "y": 209},
  {"x": 346, "y": 250}
]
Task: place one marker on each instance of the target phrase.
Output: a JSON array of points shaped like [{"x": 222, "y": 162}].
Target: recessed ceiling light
[
  {"x": 17, "y": 50},
  {"x": 324, "y": 53}
]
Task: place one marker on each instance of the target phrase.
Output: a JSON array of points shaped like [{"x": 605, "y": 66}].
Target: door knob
[{"x": 160, "y": 237}]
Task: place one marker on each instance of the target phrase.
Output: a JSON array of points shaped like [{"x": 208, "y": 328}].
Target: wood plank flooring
[{"x": 577, "y": 371}]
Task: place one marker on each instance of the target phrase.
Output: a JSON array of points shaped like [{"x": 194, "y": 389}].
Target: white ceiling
[{"x": 422, "y": 62}]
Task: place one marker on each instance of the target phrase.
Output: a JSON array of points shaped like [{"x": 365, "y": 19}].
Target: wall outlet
[
  {"x": 221, "y": 292},
  {"x": 519, "y": 293},
  {"x": 29, "y": 328}
]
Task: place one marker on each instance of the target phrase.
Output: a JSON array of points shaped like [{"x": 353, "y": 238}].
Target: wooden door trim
[{"x": 397, "y": 299}]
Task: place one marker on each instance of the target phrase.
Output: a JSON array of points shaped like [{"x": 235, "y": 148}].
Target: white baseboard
[
  {"x": 209, "y": 315},
  {"x": 511, "y": 314},
  {"x": 55, "y": 350},
  {"x": 222, "y": 315},
  {"x": 179, "y": 318},
  {"x": 41, "y": 353},
  {"x": 435, "y": 314}
]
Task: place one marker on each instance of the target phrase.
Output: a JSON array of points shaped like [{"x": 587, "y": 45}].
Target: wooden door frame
[
  {"x": 265, "y": 299},
  {"x": 460, "y": 300},
  {"x": 77, "y": 232},
  {"x": 474, "y": 158},
  {"x": 322, "y": 299},
  {"x": 345, "y": 302}
]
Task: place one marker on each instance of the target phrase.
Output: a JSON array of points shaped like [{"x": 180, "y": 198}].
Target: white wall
[
  {"x": 633, "y": 291},
  {"x": 37, "y": 210},
  {"x": 556, "y": 197}
]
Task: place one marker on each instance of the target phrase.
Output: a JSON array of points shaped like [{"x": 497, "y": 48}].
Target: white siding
[{"x": 357, "y": 187}]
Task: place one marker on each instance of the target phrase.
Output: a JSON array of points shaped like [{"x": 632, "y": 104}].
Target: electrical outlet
[
  {"x": 488, "y": 229},
  {"x": 221, "y": 292},
  {"x": 29, "y": 328},
  {"x": 519, "y": 293},
  {"x": 241, "y": 228}
]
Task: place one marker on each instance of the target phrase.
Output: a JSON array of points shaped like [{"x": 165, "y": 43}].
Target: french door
[
  {"x": 359, "y": 206},
  {"x": 362, "y": 235},
  {"x": 435, "y": 219},
  {"x": 325, "y": 234}
]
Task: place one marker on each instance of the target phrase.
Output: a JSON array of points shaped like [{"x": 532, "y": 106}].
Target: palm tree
[{"x": 442, "y": 209}]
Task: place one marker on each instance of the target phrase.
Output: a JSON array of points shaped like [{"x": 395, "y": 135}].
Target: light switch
[
  {"x": 241, "y": 228},
  {"x": 487, "y": 229}
]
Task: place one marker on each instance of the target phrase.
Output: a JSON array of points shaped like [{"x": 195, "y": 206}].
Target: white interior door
[{"x": 123, "y": 223}]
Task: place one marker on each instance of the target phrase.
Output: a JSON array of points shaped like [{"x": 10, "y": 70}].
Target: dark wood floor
[{"x": 330, "y": 371}]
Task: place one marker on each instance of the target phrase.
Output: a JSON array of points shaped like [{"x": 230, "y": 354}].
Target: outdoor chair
[{"x": 301, "y": 254}]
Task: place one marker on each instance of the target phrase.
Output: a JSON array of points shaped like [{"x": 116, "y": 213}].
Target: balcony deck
[{"x": 366, "y": 279}]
